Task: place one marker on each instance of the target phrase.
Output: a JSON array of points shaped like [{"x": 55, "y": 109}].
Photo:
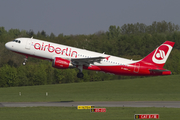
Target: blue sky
[{"x": 84, "y": 16}]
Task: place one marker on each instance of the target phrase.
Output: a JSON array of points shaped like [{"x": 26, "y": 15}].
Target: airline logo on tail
[{"x": 161, "y": 54}]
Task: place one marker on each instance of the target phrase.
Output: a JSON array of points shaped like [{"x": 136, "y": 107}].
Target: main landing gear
[
  {"x": 80, "y": 74},
  {"x": 25, "y": 60}
]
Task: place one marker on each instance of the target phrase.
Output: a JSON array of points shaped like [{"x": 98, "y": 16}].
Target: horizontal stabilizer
[{"x": 157, "y": 71}]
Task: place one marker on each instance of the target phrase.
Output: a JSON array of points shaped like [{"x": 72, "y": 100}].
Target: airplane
[{"x": 64, "y": 57}]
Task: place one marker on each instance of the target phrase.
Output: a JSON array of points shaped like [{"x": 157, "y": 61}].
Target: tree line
[{"x": 132, "y": 41}]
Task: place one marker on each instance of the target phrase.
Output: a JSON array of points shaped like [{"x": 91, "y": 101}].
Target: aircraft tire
[{"x": 80, "y": 75}]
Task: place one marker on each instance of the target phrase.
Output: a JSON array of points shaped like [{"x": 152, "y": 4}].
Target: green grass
[
  {"x": 65, "y": 113},
  {"x": 162, "y": 88}
]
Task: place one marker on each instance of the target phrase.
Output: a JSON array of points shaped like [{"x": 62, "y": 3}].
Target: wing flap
[{"x": 86, "y": 61}]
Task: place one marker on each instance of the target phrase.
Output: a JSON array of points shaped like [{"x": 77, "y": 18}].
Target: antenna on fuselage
[{"x": 32, "y": 37}]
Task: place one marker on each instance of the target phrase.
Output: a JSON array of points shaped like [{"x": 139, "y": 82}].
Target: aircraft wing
[{"x": 86, "y": 61}]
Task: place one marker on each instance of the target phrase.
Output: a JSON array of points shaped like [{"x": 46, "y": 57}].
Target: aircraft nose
[{"x": 7, "y": 45}]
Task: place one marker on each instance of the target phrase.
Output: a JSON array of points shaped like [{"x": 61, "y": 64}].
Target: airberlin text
[{"x": 67, "y": 51}]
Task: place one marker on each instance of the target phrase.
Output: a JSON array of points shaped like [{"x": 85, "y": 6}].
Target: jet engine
[{"x": 61, "y": 63}]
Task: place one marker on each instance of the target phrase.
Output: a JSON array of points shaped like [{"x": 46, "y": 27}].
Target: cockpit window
[{"x": 18, "y": 41}]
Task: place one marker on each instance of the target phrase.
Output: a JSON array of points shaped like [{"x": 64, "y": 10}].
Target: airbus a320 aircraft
[{"x": 64, "y": 57}]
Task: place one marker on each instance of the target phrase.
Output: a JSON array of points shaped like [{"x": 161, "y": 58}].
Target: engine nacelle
[{"x": 61, "y": 63}]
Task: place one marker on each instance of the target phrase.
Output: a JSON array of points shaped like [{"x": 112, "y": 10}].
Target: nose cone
[{"x": 8, "y": 45}]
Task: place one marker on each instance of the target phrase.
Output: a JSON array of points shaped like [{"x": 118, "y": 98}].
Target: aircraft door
[
  {"x": 28, "y": 44},
  {"x": 136, "y": 67}
]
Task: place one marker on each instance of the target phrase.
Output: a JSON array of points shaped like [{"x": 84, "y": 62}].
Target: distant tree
[
  {"x": 8, "y": 76},
  {"x": 30, "y": 33},
  {"x": 22, "y": 79},
  {"x": 14, "y": 33},
  {"x": 52, "y": 36},
  {"x": 43, "y": 33},
  {"x": 40, "y": 75},
  {"x": 3, "y": 34},
  {"x": 113, "y": 32},
  {"x": 58, "y": 76}
]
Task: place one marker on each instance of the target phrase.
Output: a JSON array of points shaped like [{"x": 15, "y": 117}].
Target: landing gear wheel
[
  {"x": 80, "y": 75},
  {"x": 25, "y": 59}
]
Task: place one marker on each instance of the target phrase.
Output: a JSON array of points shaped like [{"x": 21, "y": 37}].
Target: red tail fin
[{"x": 160, "y": 54}]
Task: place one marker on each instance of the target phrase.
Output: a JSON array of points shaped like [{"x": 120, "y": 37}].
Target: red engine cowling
[{"x": 61, "y": 63}]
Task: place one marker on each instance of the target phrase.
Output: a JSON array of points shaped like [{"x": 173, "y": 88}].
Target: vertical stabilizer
[{"x": 160, "y": 54}]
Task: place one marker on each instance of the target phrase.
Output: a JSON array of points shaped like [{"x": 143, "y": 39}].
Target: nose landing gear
[{"x": 25, "y": 60}]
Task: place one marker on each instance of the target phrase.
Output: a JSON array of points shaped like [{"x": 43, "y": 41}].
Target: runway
[{"x": 168, "y": 104}]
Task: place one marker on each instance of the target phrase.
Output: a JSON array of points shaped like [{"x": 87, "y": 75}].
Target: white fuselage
[{"x": 49, "y": 50}]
